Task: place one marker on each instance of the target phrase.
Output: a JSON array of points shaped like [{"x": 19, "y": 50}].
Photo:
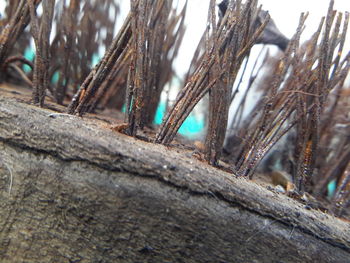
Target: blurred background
[{"x": 284, "y": 13}]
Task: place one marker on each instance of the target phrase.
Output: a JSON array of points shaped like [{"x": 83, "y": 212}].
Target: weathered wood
[{"x": 72, "y": 190}]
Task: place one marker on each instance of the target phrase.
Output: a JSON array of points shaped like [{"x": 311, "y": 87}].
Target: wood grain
[{"x": 73, "y": 190}]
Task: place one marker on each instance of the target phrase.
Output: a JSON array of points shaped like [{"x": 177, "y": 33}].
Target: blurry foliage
[
  {"x": 13, "y": 37},
  {"x": 81, "y": 28}
]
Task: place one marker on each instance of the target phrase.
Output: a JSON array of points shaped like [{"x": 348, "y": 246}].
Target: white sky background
[{"x": 285, "y": 14}]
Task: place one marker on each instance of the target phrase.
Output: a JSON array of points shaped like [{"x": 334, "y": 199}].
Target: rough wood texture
[{"x": 72, "y": 190}]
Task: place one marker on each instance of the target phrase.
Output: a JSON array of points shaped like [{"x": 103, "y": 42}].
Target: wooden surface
[{"x": 73, "y": 190}]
